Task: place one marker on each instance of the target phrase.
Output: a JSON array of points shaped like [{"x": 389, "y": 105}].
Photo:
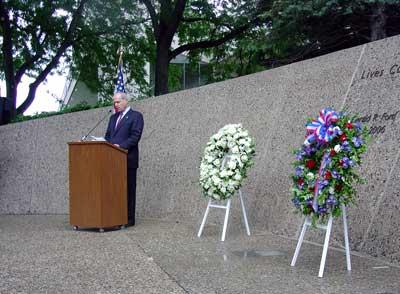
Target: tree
[
  {"x": 305, "y": 29},
  {"x": 198, "y": 24},
  {"x": 114, "y": 25},
  {"x": 239, "y": 57},
  {"x": 37, "y": 35}
]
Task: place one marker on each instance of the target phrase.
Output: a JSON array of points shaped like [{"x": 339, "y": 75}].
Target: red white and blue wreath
[{"x": 324, "y": 167}]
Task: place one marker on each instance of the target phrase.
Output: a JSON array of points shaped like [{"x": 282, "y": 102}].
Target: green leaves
[{"x": 325, "y": 171}]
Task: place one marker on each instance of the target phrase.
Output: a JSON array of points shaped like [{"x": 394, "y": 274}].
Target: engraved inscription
[
  {"x": 374, "y": 73},
  {"x": 379, "y": 122}
]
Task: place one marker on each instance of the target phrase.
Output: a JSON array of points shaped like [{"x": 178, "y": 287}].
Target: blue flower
[
  {"x": 357, "y": 141},
  {"x": 299, "y": 155},
  {"x": 328, "y": 160},
  {"x": 322, "y": 209},
  {"x": 346, "y": 146},
  {"x": 331, "y": 201},
  {"x": 358, "y": 126},
  {"x": 309, "y": 150},
  {"x": 323, "y": 184},
  {"x": 299, "y": 170},
  {"x": 296, "y": 202},
  {"x": 346, "y": 162},
  {"x": 335, "y": 174}
]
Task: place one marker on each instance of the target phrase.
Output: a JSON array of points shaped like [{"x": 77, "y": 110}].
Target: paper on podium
[{"x": 93, "y": 138}]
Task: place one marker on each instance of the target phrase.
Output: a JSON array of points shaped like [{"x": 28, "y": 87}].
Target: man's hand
[{"x": 116, "y": 145}]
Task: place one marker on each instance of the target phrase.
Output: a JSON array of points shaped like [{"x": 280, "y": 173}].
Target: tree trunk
[
  {"x": 161, "y": 69},
  {"x": 8, "y": 60},
  {"x": 377, "y": 22}
]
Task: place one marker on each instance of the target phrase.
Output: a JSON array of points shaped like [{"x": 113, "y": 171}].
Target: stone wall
[{"x": 273, "y": 106}]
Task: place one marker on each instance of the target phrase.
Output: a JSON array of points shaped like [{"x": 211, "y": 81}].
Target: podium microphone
[{"x": 84, "y": 137}]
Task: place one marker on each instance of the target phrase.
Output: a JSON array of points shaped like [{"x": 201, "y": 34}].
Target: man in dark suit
[{"x": 125, "y": 130}]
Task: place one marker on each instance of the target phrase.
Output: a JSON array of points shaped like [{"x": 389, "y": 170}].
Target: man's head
[{"x": 120, "y": 101}]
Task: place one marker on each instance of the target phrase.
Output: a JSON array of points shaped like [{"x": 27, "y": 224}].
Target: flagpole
[{"x": 120, "y": 51}]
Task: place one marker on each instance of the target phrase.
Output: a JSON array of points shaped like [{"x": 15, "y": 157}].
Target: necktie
[{"x": 118, "y": 119}]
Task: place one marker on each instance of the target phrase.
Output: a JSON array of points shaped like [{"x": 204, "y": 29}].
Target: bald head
[{"x": 120, "y": 101}]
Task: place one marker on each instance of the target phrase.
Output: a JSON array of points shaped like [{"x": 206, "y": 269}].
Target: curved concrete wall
[{"x": 273, "y": 106}]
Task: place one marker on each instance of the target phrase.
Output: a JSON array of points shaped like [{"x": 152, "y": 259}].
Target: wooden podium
[{"x": 97, "y": 185}]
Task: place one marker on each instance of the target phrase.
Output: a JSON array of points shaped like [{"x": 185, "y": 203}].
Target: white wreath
[{"x": 226, "y": 160}]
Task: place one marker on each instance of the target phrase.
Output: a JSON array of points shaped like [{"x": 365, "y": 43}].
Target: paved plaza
[{"x": 42, "y": 254}]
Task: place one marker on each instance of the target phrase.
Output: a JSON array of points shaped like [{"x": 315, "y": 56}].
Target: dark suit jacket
[{"x": 127, "y": 134}]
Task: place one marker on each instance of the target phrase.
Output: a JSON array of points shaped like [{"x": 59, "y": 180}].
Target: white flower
[
  {"x": 220, "y": 182},
  {"x": 231, "y": 164},
  {"x": 230, "y": 130},
  {"x": 231, "y": 144},
  {"x": 231, "y": 188},
  {"x": 217, "y": 162},
  {"x": 247, "y": 150},
  {"x": 310, "y": 176},
  {"x": 216, "y": 179},
  {"x": 244, "y": 158},
  {"x": 224, "y": 173},
  {"x": 217, "y": 136},
  {"x": 240, "y": 163},
  {"x": 222, "y": 143},
  {"x": 213, "y": 172},
  {"x": 210, "y": 148},
  {"x": 237, "y": 177},
  {"x": 331, "y": 190},
  {"x": 337, "y": 148},
  {"x": 233, "y": 183},
  {"x": 235, "y": 149}
]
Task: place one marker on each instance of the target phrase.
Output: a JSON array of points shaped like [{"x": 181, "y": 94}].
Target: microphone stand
[{"x": 84, "y": 137}]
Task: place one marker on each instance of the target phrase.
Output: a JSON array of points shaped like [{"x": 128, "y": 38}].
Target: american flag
[{"x": 120, "y": 88}]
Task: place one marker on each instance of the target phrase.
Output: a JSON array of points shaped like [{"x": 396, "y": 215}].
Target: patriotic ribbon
[
  {"x": 322, "y": 129},
  {"x": 321, "y": 173}
]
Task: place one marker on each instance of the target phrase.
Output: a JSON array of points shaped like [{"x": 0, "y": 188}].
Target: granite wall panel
[{"x": 273, "y": 105}]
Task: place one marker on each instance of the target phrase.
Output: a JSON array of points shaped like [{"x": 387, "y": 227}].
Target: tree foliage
[
  {"x": 38, "y": 35},
  {"x": 194, "y": 25},
  {"x": 238, "y": 37},
  {"x": 305, "y": 29}
]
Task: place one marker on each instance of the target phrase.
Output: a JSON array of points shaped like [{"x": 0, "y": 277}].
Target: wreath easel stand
[
  {"x": 328, "y": 229},
  {"x": 227, "y": 208}
]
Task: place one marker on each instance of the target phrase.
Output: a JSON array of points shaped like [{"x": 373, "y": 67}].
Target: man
[{"x": 124, "y": 130}]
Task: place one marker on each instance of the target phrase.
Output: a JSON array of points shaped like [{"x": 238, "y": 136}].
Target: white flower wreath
[{"x": 227, "y": 158}]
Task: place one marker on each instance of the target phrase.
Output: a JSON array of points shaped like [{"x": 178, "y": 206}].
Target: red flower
[
  {"x": 310, "y": 164},
  {"x": 300, "y": 181},
  {"x": 343, "y": 137},
  {"x": 349, "y": 125},
  {"x": 333, "y": 152},
  {"x": 328, "y": 175},
  {"x": 338, "y": 187}
]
